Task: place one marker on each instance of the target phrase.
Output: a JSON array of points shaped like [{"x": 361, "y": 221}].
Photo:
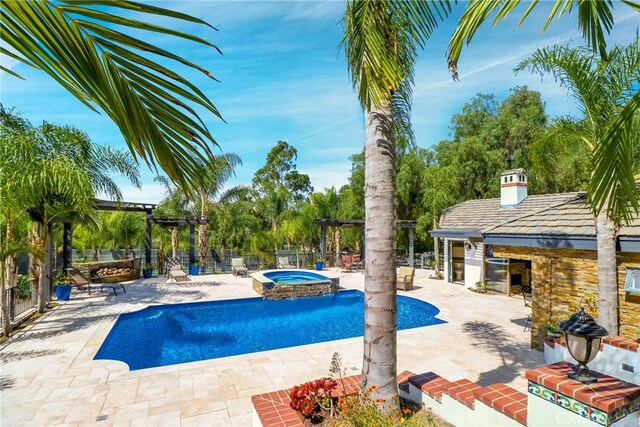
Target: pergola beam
[
  {"x": 177, "y": 222},
  {"x": 409, "y": 224},
  {"x": 400, "y": 223}
]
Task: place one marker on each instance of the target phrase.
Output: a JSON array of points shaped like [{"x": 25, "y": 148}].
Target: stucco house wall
[{"x": 473, "y": 264}]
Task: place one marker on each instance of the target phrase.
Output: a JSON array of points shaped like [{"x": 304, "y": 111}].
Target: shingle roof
[
  {"x": 482, "y": 214},
  {"x": 571, "y": 218}
]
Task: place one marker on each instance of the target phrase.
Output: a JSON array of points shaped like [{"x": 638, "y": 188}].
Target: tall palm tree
[
  {"x": 601, "y": 88},
  {"x": 380, "y": 43},
  {"x": 176, "y": 205},
  {"x": 49, "y": 142},
  {"x": 610, "y": 186},
  {"x": 217, "y": 172},
  {"x": 91, "y": 49}
]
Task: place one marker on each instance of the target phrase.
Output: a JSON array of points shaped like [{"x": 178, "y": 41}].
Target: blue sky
[{"x": 282, "y": 77}]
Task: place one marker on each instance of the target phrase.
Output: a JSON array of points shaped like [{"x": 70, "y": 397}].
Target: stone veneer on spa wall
[
  {"x": 272, "y": 290},
  {"x": 559, "y": 277}
]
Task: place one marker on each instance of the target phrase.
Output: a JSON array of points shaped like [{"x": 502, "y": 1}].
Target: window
[
  {"x": 511, "y": 178},
  {"x": 632, "y": 282}
]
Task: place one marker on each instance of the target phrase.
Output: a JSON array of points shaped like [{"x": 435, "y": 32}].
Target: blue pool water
[
  {"x": 294, "y": 276},
  {"x": 178, "y": 333}
]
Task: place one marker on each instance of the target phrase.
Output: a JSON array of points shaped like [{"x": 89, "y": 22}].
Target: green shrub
[{"x": 23, "y": 289}]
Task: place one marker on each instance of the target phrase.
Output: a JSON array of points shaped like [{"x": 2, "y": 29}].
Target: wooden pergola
[
  {"x": 108, "y": 205},
  {"x": 177, "y": 222},
  {"x": 345, "y": 223}
]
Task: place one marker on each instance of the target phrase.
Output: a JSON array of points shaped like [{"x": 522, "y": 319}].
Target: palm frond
[
  {"x": 595, "y": 20},
  {"x": 612, "y": 185},
  {"x": 380, "y": 41},
  {"x": 108, "y": 70},
  {"x": 575, "y": 69}
]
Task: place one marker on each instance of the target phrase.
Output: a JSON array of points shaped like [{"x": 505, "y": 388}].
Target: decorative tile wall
[{"x": 586, "y": 411}]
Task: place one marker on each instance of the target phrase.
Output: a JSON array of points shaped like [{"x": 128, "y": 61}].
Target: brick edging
[{"x": 274, "y": 411}]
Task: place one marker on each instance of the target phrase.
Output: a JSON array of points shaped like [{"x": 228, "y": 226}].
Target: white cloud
[
  {"x": 149, "y": 193},
  {"x": 327, "y": 175}
]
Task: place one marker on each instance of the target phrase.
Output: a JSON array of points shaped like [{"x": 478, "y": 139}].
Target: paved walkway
[{"x": 48, "y": 375}]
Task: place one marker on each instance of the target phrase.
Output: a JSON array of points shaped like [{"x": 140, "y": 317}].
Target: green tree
[
  {"x": 132, "y": 81},
  {"x": 602, "y": 88},
  {"x": 127, "y": 229},
  {"x": 50, "y": 142},
  {"x": 175, "y": 204},
  {"x": 217, "y": 172},
  {"x": 279, "y": 185},
  {"x": 612, "y": 184},
  {"x": 55, "y": 190},
  {"x": 380, "y": 43},
  {"x": 558, "y": 159}
]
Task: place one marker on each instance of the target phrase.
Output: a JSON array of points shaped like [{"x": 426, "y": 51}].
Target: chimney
[{"x": 513, "y": 187}]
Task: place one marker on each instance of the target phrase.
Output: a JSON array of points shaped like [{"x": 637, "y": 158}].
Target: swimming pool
[{"x": 177, "y": 333}]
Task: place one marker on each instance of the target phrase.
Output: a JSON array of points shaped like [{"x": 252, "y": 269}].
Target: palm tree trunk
[
  {"x": 203, "y": 234},
  {"x": 44, "y": 284},
  {"x": 203, "y": 244},
  {"x": 379, "y": 364},
  {"x": 606, "y": 233},
  {"x": 160, "y": 256},
  {"x": 336, "y": 258},
  {"x": 436, "y": 247},
  {"x": 174, "y": 242},
  {"x": 6, "y": 313},
  {"x": 94, "y": 253},
  {"x": 8, "y": 276},
  {"x": 35, "y": 265}
]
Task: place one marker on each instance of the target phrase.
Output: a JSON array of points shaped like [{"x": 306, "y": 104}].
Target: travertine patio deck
[{"x": 48, "y": 375}]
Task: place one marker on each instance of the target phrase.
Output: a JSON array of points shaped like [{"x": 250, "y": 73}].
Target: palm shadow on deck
[
  {"x": 516, "y": 357},
  {"x": 73, "y": 317}
]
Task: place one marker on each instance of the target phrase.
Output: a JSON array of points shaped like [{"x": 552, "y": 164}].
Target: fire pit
[{"x": 110, "y": 271}]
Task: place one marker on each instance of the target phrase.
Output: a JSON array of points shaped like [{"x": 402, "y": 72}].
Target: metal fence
[
  {"x": 18, "y": 303},
  {"x": 215, "y": 263}
]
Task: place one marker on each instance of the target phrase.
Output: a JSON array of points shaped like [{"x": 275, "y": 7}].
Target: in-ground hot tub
[{"x": 281, "y": 284}]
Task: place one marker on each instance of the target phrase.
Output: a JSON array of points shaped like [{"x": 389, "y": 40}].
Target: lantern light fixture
[{"x": 583, "y": 337}]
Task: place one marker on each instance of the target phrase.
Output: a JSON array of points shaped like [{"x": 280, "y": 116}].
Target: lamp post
[{"x": 583, "y": 336}]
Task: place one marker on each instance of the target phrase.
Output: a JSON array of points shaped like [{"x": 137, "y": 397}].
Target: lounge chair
[
  {"x": 356, "y": 261},
  {"x": 82, "y": 283},
  {"x": 238, "y": 267},
  {"x": 175, "y": 271},
  {"x": 283, "y": 262},
  {"x": 347, "y": 263},
  {"x": 405, "y": 278}
]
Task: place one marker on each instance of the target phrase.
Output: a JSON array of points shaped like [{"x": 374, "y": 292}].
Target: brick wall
[{"x": 560, "y": 277}]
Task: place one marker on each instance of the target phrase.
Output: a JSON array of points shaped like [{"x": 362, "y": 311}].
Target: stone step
[
  {"x": 430, "y": 383},
  {"x": 504, "y": 399},
  {"x": 463, "y": 391}
]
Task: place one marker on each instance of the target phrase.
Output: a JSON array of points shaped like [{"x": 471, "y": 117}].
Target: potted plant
[
  {"x": 553, "y": 331},
  {"x": 194, "y": 270},
  {"x": 320, "y": 264},
  {"x": 147, "y": 271},
  {"x": 63, "y": 288}
]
